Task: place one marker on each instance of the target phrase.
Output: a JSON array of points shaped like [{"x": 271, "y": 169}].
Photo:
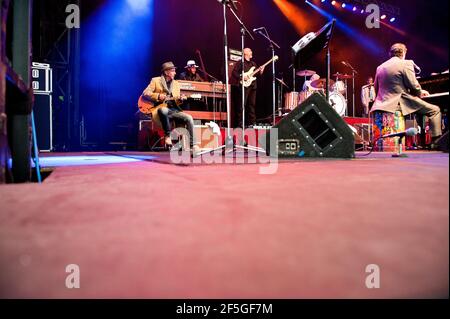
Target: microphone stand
[
  {"x": 209, "y": 75},
  {"x": 214, "y": 94},
  {"x": 272, "y": 47},
  {"x": 354, "y": 72},
  {"x": 244, "y": 30},
  {"x": 229, "y": 144}
]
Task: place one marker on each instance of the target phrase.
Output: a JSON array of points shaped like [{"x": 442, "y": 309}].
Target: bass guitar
[{"x": 249, "y": 77}]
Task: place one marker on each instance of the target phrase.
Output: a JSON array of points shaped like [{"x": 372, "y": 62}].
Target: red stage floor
[{"x": 147, "y": 229}]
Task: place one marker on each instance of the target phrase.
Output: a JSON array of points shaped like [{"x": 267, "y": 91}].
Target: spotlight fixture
[
  {"x": 344, "y": 5},
  {"x": 392, "y": 19},
  {"x": 383, "y": 17}
]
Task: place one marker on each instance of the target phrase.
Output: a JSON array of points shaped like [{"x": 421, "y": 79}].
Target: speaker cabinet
[
  {"x": 442, "y": 143},
  {"x": 43, "y": 119},
  {"x": 313, "y": 129}
]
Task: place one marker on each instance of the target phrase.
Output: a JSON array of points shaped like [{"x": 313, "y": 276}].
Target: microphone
[
  {"x": 258, "y": 29},
  {"x": 233, "y": 3},
  {"x": 418, "y": 70},
  {"x": 409, "y": 132}
]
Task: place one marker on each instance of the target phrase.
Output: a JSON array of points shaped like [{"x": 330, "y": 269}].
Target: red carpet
[{"x": 151, "y": 230}]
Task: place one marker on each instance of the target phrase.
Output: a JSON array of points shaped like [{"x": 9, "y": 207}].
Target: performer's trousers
[
  {"x": 249, "y": 104},
  {"x": 433, "y": 112},
  {"x": 166, "y": 114}
]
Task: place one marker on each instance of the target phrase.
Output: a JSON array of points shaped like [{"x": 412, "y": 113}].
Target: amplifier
[{"x": 41, "y": 75}]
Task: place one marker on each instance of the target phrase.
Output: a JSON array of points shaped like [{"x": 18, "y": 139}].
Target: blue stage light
[
  {"x": 344, "y": 5},
  {"x": 139, "y": 6},
  {"x": 358, "y": 36},
  {"x": 392, "y": 19}
]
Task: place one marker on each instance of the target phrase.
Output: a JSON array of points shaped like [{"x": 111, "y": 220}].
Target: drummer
[{"x": 307, "y": 87}]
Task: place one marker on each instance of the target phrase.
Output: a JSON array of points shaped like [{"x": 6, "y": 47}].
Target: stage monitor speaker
[
  {"x": 43, "y": 119},
  {"x": 313, "y": 129}
]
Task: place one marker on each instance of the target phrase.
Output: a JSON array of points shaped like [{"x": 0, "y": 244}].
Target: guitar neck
[{"x": 262, "y": 66}]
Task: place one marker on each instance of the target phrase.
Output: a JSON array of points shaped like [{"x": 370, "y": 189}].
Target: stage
[{"x": 141, "y": 227}]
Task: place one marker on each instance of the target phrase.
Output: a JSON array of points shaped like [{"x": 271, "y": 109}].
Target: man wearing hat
[
  {"x": 166, "y": 87},
  {"x": 191, "y": 72}
]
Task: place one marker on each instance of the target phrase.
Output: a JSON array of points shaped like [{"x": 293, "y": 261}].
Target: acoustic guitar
[
  {"x": 149, "y": 107},
  {"x": 250, "y": 74}
]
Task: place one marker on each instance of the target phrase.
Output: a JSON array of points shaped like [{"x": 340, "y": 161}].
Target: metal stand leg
[{"x": 36, "y": 150}]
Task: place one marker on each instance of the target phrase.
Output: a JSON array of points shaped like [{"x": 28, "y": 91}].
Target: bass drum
[
  {"x": 339, "y": 87},
  {"x": 338, "y": 103}
]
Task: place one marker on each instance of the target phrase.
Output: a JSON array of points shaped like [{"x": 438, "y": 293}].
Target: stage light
[
  {"x": 139, "y": 6},
  {"x": 362, "y": 11},
  {"x": 352, "y": 32},
  {"x": 392, "y": 19},
  {"x": 294, "y": 14},
  {"x": 333, "y": 2},
  {"x": 383, "y": 17},
  {"x": 354, "y": 9},
  {"x": 322, "y": 1},
  {"x": 344, "y": 5}
]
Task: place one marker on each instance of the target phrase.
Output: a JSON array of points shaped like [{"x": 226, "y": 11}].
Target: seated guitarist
[
  {"x": 159, "y": 90},
  {"x": 250, "y": 92}
]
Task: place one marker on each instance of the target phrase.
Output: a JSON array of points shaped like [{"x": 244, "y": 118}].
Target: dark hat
[{"x": 167, "y": 66}]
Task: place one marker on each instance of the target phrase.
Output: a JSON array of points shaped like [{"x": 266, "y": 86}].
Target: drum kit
[{"x": 338, "y": 91}]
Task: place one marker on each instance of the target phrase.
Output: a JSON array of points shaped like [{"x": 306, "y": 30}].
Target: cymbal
[
  {"x": 342, "y": 76},
  {"x": 305, "y": 73},
  {"x": 282, "y": 82},
  {"x": 320, "y": 83}
]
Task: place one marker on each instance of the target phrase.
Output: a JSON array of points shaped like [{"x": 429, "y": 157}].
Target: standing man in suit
[
  {"x": 368, "y": 96},
  {"x": 162, "y": 88},
  {"x": 250, "y": 92},
  {"x": 398, "y": 89}
]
